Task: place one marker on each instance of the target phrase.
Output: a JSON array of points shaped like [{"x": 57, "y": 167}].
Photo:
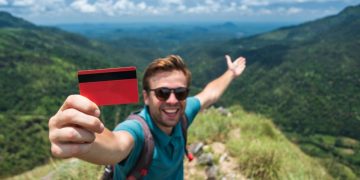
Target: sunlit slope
[{"x": 260, "y": 149}]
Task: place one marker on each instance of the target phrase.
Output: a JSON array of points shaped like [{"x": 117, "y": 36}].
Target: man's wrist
[{"x": 231, "y": 73}]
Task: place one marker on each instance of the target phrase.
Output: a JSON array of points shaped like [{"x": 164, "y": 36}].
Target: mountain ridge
[
  {"x": 8, "y": 20},
  {"x": 306, "y": 81}
]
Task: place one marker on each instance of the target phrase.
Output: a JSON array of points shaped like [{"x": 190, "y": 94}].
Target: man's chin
[{"x": 170, "y": 122}]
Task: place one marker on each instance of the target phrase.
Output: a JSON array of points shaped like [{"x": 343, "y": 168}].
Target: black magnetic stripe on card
[{"x": 109, "y": 76}]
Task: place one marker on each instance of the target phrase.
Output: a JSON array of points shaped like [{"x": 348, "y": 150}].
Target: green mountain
[
  {"x": 7, "y": 20},
  {"x": 305, "y": 77},
  {"x": 38, "y": 68}
]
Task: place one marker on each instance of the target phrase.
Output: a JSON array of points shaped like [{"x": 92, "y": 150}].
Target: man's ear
[{"x": 146, "y": 97}]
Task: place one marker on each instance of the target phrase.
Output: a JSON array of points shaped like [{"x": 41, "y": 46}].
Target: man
[{"x": 76, "y": 130}]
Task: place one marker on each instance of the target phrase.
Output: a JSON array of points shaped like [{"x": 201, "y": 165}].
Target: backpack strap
[
  {"x": 145, "y": 158},
  {"x": 184, "y": 127}
]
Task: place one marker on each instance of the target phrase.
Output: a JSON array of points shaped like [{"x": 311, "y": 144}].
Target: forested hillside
[
  {"x": 38, "y": 67},
  {"x": 305, "y": 77}
]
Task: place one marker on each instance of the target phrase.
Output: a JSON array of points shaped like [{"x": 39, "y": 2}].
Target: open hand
[{"x": 237, "y": 67}]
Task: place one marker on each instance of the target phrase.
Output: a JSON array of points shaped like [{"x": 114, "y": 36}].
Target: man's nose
[{"x": 172, "y": 99}]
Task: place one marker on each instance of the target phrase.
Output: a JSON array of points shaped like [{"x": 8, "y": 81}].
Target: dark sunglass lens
[
  {"x": 181, "y": 93},
  {"x": 163, "y": 93}
]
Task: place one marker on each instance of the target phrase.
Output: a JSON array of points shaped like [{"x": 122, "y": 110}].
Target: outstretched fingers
[{"x": 238, "y": 66}]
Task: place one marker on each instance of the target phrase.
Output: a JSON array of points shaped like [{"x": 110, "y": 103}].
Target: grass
[
  {"x": 260, "y": 149},
  {"x": 70, "y": 169},
  {"x": 40, "y": 171}
]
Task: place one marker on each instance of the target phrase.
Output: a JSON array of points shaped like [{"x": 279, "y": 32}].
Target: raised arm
[{"x": 213, "y": 90}]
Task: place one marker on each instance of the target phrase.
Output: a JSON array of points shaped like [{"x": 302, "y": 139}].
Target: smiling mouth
[{"x": 170, "y": 112}]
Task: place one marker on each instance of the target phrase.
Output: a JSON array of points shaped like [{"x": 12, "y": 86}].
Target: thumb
[{"x": 228, "y": 60}]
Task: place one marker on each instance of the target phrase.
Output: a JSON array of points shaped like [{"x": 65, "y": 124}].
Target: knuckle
[
  {"x": 52, "y": 137},
  {"x": 94, "y": 122},
  {"x": 72, "y": 135},
  {"x": 92, "y": 137},
  {"x": 56, "y": 151},
  {"x": 52, "y": 121},
  {"x": 70, "y": 100},
  {"x": 68, "y": 114}
]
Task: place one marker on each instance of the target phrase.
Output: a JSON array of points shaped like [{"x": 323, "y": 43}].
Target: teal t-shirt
[{"x": 169, "y": 152}]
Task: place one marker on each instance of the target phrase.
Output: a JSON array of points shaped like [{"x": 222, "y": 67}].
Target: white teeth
[{"x": 170, "y": 110}]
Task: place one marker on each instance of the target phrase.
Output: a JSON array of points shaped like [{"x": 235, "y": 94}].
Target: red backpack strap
[
  {"x": 184, "y": 127},
  {"x": 144, "y": 160}
]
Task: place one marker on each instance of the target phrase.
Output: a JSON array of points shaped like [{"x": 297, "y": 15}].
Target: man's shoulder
[
  {"x": 193, "y": 101},
  {"x": 132, "y": 126}
]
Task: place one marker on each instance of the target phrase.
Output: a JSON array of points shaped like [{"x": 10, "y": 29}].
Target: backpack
[{"x": 144, "y": 160}]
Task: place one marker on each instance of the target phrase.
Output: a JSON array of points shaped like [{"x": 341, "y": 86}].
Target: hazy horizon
[{"x": 51, "y": 12}]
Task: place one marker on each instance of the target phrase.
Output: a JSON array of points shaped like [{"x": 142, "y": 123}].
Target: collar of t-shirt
[{"x": 160, "y": 137}]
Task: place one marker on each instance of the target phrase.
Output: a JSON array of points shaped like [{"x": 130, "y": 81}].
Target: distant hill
[
  {"x": 7, "y": 20},
  {"x": 305, "y": 77},
  {"x": 38, "y": 68}
]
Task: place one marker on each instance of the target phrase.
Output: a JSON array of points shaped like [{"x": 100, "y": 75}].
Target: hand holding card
[{"x": 109, "y": 86}]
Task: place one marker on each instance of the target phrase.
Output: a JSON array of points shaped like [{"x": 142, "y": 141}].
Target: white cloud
[
  {"x": 170, "y": 8},
  {"x": 83, "y": 6},
  {"x": 255, "y": 2},
  {"x": 168, "y": 2},
  {"x": 294, "y": 10},
  {"x": 23, "y": 2},
  {"x": 265, "y": 12},
  {"x": 3, "y": 2}
]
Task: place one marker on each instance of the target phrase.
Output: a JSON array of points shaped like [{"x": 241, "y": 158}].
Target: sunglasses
[{"x": 163, "y": 93}]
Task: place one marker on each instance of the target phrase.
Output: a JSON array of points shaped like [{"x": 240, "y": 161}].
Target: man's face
[{"x": 166, "y": 113}]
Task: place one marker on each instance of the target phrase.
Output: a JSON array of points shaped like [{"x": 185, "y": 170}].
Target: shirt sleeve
[
  {"x": 193, "y": 106},
  {"x": 134, "y": 128}
]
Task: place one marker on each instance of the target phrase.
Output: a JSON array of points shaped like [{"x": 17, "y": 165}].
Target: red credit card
[{"x": 109, "y": 86}]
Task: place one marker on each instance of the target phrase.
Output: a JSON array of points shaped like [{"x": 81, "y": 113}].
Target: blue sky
[{"x": 117, "y": 11}]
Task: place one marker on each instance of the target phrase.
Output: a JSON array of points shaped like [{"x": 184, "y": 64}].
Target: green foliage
[
  {"x": 261, "y": 149},
  {"x": 260, "y": 162},
  {"x": 38, "y": 71},
  {"x": 338, "y": 170},
  {"x": 77, "y": 169},
  {"x": 260, "y": 154},
  {"x": 305, "y": 77},
  {"x": 211, "y": 129},
  {"x": 24, "y": 143}
]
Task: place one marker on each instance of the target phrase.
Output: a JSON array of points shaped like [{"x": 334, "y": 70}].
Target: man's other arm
[{"x": 213, "y": 90}]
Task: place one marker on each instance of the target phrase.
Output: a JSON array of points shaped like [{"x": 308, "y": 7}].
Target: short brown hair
[{"x": 167, "y": 64}]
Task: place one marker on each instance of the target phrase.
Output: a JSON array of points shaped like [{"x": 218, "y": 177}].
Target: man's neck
[{"x": 166, "y": 130}]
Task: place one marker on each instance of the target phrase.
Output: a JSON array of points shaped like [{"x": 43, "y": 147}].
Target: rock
[
  {"x": 196, "y": 148},
  {"x": 224, "y": 112},
  {"x": 211, "y": 172},
  {"x": 206, "y": 159},
  {"x": 223, "y": 158}
]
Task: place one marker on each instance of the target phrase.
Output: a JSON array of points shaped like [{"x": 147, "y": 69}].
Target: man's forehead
[{"x": 175, "y": 75}]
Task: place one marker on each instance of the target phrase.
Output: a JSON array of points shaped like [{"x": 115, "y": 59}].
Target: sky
[{"x": 127, "y": 11}]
